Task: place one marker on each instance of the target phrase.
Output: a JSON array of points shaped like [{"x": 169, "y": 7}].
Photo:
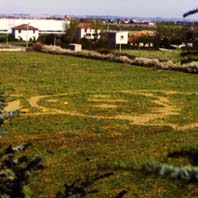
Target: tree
[
  {"x": 191, "y": 36},
  {"x": 96, "y": 24},
  {"x": 192, "y": 31},
  {"x": 169, "y": 34},
  {"x": 72, "y": 32}
]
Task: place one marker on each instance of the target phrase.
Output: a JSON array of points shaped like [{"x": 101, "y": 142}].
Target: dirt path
[
  {"x": 164, "y": 108},
  {"x": 11, "y": 106}
]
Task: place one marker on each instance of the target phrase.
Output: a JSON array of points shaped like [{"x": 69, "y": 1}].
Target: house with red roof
[
  {"x": 25, "y": 32},
  {"x": 142, "y": 38},
  {"x": 87, "y": 31}
]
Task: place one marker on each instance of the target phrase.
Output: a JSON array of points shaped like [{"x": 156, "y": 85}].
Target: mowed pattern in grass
[{"x": 75, "y": 146}]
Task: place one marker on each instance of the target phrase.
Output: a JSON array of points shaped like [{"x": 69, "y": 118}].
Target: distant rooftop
[
  {"x": 25, "y": 27},
  {"x": 84, "y": 25}
]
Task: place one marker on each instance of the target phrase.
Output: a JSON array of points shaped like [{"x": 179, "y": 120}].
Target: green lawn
[
  {"x": 99, "y": 117},
  {"x": 173, "y": 55}
]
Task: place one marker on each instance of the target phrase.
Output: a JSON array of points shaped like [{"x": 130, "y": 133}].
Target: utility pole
[
  {"x": 120, "y": 41},
  {"x": 54, "y": 40},
  {"x": 7, "y": 34},
  {"x": 7, "y": 39}
]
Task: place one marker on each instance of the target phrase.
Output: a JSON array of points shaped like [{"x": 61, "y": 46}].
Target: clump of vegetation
[
  {"x": 191, "y": 154},
  {"x": 78, "y": 188},
  {"x": 185, "y": 174},
  {"x": 37, "y": 46},
  {"x": 15, "y": 171},
  {"x": 146, "y": 62},
  {"x": 114, "y": 52},
  {"x": 189, "y": 55}
]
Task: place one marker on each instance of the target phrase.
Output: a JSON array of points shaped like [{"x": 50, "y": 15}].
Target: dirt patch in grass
[
  {"x": 101, "y": 96},
  {"x": 106, "y": 106},
  {"x": 11, "y": 106}
]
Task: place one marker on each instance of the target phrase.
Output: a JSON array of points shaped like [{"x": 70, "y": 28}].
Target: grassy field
[
  {"x": 86, "y": 117},
  {"x": 173, "y": 55}
]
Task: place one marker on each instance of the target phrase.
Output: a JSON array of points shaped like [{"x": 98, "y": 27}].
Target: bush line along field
[
  {"x": 87, "y": 117},
  {"x": 190, "y": 67}
]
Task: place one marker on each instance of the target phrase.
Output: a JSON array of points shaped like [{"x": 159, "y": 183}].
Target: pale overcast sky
[{"x": 147, "y": 8}]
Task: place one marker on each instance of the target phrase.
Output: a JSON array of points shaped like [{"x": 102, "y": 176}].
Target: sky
[{"x": 137, "y": 8}]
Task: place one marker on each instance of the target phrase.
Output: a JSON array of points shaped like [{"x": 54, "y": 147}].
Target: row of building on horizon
[
  {"x": 30, "y": 29},
  {"x": 87, "y": 31}
]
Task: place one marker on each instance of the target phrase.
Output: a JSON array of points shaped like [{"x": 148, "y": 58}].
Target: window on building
[
  {"x": 34, "y": 31},
  {"x": 19, "y": 31}
]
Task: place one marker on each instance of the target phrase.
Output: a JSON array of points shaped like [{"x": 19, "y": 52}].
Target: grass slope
[
  {"x": 78, "y": 146},
  {"x": 173, "y": 55}
]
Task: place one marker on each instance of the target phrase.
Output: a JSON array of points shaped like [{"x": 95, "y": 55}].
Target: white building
[
  {"x": 45, "y": 26},
  {"x": 116, "y": 38},
  {"x": 25, "y": 32},
  {"x": 87, "y": 32}
]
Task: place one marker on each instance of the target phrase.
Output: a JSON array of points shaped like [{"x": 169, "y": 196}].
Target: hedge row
[{"x": 191, "y": 67}]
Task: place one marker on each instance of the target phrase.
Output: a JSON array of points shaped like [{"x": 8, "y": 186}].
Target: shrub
[
  {"x": 186, "y": 174},
  {"x": 146, "y": 62},
  {"x": 37, "y": 46}
]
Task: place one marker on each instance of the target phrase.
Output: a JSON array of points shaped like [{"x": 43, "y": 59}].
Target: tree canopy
[{"x": 72, "y": 31}]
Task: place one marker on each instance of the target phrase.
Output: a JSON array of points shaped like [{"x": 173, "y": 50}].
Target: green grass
[
  {"x": 80, "y": 146},
  {"x": 189, "y": 109},
  {"x": 91, "y": 104},
  {"x": 173, "y": 55},
  {"x": 17, "y": 43}
]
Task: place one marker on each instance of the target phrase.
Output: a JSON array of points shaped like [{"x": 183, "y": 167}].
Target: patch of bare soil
[
  {"x": 14, "y": 105},
  {"x": 101, "y": 96},
  {"x": 106, "y": 106}
]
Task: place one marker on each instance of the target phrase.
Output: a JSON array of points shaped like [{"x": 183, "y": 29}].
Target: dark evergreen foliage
[
  {"x": 15, "y": 171},
  {"x": 78, "y": 189},
  {"x": 190, "y": 54},
  {"x": 190, "y": 12}
]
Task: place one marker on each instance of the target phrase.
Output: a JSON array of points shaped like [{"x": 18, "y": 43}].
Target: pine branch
[{"x": 191, "y": 12}]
